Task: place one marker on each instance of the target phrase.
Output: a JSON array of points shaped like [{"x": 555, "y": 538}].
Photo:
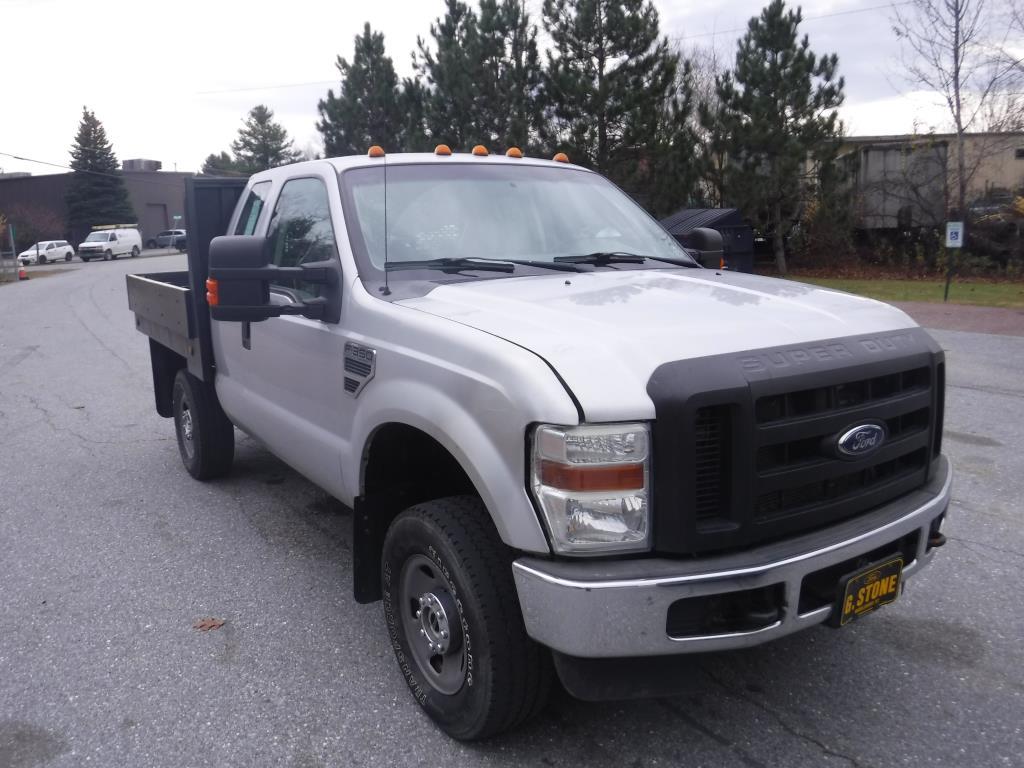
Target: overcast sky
[{"x": 172, "y": 81}]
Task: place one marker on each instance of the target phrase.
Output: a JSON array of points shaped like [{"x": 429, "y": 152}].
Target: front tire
[
  {"x": 107, "y": 255},
  {"x": 206, "y": 437},
  {"x": 85, "y": 258},
  {"x": 40, "y": 259},
  {"x": 454, "y": 620}
]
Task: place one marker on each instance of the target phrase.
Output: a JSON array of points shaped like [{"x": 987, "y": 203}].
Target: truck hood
[{"x": 605, "y": 332}]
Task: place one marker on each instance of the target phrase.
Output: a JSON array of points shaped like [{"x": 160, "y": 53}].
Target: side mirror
[
  {"x": 240, "y": 278},
  {"x": 706, "y": 246}
]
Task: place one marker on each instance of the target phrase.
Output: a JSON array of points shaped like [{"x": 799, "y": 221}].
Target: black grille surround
[{"x": 744, "y": 443}]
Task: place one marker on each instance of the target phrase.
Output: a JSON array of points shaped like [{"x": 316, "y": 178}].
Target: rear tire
[
  {"x": 67, "y": 256},
  {"x": 486, "y": 675},
  {"x": 151, "y": 244},
  {"x": 135, "y": 251},
  {"x": 206, "y": 437}
]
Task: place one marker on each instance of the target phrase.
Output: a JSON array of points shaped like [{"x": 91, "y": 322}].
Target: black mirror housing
[
  {"x": 241, "y": 271},
  {"x": 706, "y": 245}
]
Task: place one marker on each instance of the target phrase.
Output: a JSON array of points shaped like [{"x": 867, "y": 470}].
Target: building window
[{"x": 1019, "y": 153}]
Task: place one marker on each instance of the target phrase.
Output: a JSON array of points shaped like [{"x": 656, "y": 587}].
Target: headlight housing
[{"x": 591, "y": 484}]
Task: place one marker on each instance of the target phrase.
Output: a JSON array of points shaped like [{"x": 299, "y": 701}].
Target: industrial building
[{"x": 156, "y": 196}]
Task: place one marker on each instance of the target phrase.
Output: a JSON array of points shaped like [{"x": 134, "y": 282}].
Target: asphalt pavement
[{"x": 110, "y": 553}]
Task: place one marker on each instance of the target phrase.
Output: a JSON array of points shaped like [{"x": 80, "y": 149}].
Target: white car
[
  {"x": 108, "y": 244},
  {"x": 46, "y": 250}
]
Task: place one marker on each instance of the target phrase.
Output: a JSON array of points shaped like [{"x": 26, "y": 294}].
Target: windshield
[
  {"x": 96, "y": 237},
  {"x": 491, "y": 211}
]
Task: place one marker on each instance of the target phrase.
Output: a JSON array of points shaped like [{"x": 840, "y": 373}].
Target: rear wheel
[
  {"x": 454, "y": 620},
  {"x": 151, "y": 244},
  {"x": 135, "y": 251},
  {"x": 67, "y": 256},
  {"x": 206, "y": 437}
]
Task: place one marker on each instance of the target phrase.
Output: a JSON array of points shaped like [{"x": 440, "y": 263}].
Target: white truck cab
[{"x": 567, "y": 445}]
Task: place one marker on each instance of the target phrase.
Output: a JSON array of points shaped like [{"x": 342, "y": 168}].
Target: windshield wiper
[
  {"x": 556, "y": 264},
  {"x": 452, "y": 265},
  {"x": 600, "y": 258}
]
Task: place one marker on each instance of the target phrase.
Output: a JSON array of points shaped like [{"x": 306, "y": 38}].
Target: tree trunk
[{"x": 777, "y": 244}]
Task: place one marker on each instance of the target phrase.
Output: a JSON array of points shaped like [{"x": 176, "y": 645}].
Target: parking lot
[{"x": 110, "y": 552}]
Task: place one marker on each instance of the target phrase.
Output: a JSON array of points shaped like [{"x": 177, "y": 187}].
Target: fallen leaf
[{"x": 205, "y": 625}]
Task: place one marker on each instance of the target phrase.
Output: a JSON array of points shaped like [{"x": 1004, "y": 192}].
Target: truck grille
[{"x": 757, "y": 460}]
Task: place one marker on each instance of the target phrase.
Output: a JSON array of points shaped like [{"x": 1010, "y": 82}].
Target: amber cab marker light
[
  {"x": 569, "y": 477},
  {"x": 561, "y": 157},
  {"x": 375, "y": 151},
  {"x": 515, "y": 152},
  {"x": 212, "y": 296},
  {"x": 480, "y": 150},
  {"x": 442, "y": 149}
]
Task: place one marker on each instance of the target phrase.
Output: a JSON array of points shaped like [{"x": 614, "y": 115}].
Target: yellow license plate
[{"x": 869, "y": 589}]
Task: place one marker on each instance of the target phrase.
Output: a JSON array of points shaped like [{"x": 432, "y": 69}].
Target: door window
[
  {"x": 252, "y": 209},
  {"x": 300, "y": 232}
]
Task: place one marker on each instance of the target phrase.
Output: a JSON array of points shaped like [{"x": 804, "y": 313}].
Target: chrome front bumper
[{"x": 593, "y": 609}]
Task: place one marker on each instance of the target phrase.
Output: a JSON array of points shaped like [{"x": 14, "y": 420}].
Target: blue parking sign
[{"x": 954, "y": 234}]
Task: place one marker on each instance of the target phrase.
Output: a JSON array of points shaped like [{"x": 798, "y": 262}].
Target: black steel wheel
[
  {"x": 454, "y": 621},
  {"x": 67, "y": 256},
  {"x": 41, "y": 258},
  {"x": 206, "y": 437},
  {"x": 135, "y": 251}
]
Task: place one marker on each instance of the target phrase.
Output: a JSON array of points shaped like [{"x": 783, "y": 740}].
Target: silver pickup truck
[{"x": 569, "y": 448}]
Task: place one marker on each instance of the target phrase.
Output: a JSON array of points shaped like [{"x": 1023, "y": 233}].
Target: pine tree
[
  {"x": 608, "y": 81},
  {"x": 221, "y": 164},
  {"x": 262, "y": 143},
  {"x": 368, "y": 108},
  {"x": 452, "y": 73},
  {"x": 97, "y": 194},
  {"x": 778, "y": 110},
  {"x": 508, "y": 108}
]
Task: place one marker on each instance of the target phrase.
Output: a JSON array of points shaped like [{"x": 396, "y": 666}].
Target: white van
[{"x": 110, "y": 242}]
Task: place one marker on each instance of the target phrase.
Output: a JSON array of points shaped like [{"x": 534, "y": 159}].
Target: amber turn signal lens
[
  {"x": 514, "y": 152},
  {"x": 561, "y": 157},
  {"x": 480, "y": 150},
  {"x": 212, "y": 289},
  {"x": 442, "y": 149},
  {"x": 574, "y": 477},
  {"x": 375, "y": 151}
]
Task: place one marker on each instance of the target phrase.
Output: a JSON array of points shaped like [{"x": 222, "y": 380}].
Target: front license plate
[{"x": 869, "y": 589}]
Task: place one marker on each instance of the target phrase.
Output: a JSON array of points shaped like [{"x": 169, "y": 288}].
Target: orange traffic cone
[{"x": 22, "y": 274}]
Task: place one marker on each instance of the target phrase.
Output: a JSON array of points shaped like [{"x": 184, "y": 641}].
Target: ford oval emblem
[{"x": 857, "y": 442}]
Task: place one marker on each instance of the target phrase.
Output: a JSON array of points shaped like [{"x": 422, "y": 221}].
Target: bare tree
[
  {"x": 961, "y": 50},
  {"x": 706, "y": 66}
]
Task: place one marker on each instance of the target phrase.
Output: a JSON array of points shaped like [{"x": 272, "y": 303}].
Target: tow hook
[{"x": 936, "y": 540}]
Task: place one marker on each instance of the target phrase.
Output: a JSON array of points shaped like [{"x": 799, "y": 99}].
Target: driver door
[{"x": 284, "y": 376}]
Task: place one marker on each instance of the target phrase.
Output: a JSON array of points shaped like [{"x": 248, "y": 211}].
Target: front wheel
[
  {"x": 41, "y": 259},
  {"x": 454, "y": 620},
  {"x": 107, "y": 255},
  {"x": 85, "y": 258},
  {"x": 206, "y": 437}
]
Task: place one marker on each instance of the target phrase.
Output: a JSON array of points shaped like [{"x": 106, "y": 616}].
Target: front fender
[{"x": 491, "y": 453}]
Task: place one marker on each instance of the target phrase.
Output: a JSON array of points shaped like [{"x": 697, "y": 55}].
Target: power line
[
  {"x": 268, "y": 87},
  {"x": 94, "y": 173},
  {"x": 805, "y": 18}
]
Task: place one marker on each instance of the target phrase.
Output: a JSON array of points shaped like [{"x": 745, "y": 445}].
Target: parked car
[
  {"x": 109, "y": 243},
  {"x": 169, "y": 238},
  {"x": 46, "y": 250},
  {"x": 581, "y": 452}
]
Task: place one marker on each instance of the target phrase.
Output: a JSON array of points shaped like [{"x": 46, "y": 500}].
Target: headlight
[{"x": 591, "y": 484}]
